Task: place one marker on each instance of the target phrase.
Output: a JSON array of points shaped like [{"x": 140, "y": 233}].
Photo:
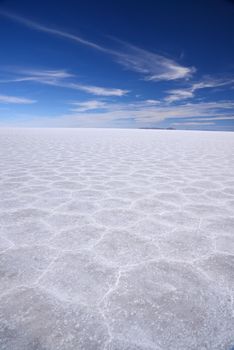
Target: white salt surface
[{"x": 116, "y": 239}]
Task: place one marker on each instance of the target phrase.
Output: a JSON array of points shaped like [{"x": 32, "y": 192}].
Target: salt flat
[{"x": 116, "y": 239}]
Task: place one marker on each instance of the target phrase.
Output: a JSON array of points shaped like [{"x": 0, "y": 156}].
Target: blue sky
[{"x": 117, "y": 64}]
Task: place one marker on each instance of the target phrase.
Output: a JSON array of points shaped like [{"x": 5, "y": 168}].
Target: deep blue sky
[{"x": 158, "y": 63}]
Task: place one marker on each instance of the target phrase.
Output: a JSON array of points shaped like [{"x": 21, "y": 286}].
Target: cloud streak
[
  {"x": 187, "y": 93},
  {"x": 88, "y": 106},
  {"x": 178, "y": 94},
  {"x": 143, "y": 113},
  {"x": 15, "y": 100},
  {"x": 152, "y": 66},
  {"x": 192, "y": 124},
  {"x": 61, "y": 78},
  {"x": 41, "y": 28},
  {"x": 94, "y": 113}
]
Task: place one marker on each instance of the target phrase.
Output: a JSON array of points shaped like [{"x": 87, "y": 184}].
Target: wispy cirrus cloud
[
  {"x": 152, "y": 102},
  {"x": 192, "y": 124},
  {"x": 224, "y": 117},
  {"x": 42, "y": 28},
  {"x": 143, "y": 113},
  {"x": 97, "y": 90},
  {"x": 61, "y": 78},
  {"x": 88, "y": 105},
  {"x": 189, "y": 92},
  {"x": 105, "y": 113},
  {"x": 210, "y": 82},
  {"x": 152, "y": 66},
  {"x": 46, "y": 74},
  {"x": 15, "y": 100},
  {"x": 178, "y": 94},
  {"x": 95, "y": 113}
]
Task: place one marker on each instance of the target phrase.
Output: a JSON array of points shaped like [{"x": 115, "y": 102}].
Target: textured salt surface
[{"x": 116, "y": 239}]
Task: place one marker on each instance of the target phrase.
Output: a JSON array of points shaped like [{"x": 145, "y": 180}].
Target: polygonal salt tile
[
  {"x": 217, "y": 195},
  {"x": 51, "y": 203},
  {"x": 23, "y": 265},
  {"x": 60, "y": 194},
  {"x": 180, "y": 219},
  {"x": 22, "y": 215},
  {"x": 169, "y": 306},
  {"x": 224, "y": 243},
  {"x": 150, "y": 229},
  {"x": 206, "y": 184},
  {"x": 191, "y": 190},
  {"x": 77, "y": 237},
  {"x": 220, "y": 268},
  {"x": 129, "y": 194},
  {"x": 229, "y": 191},
  {"x": 160, "y": 180},
  {"x": 68, "y": 185},
  {"x": 12, "y": 204},
  {"x": 89, "y": 194},
  {"x": 185, "y": 245},
  {"x": 63, "y": 221},
  {"x": 28, "y": 233},
  {"x": 10, "y": 186},
  {"x": 153, "y": 206},
  {"x": 79, "y": 207},
  {"x": 80, "y": 277},
  {"x": 206, "y": 210},
  {"x": 4, "y": 244},
  {"x": 122, "y": 248},
  {"x": 7, "y": 195},
  {"x": 31, "y": 319},
  {"x": 116, "y": 184},
  {"x": 144, "y": 184},
  {"x": 123, "y": 344},
  {"x": 117, "y": 217},
  {"x": 114, "y": 203},
  {"x": 33, "y": 189},
  {"x": 220, "y": 225},
  {"x": 171, "y": 197}
]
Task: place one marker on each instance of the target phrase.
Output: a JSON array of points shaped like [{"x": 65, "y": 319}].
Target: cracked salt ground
[{"x": 116, "y": 240}]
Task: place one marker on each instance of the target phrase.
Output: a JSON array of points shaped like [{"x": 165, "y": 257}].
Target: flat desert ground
[{"x": 116, "y": 239}]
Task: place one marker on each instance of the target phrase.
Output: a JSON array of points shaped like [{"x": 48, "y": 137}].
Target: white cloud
[
  {"x": 97, "y": 90},
  {"x": 211, "y": 83},
  {"x": 189, "y": 92},
  {"x": 152, "y": 102},
  {"x": 153, "y": 66},
  {"x": 142, "y": 113},
  {"x": 193, "y": 123},
  {"x": 178, "y": 94},
  {"x": 42, "y": 28},
  {"x": 47, "y": 74},
  {"x": 15, "y": 100},
  {"x": 225, "y": 117},
  {"x": 88, "y": 105},
  {"x": 61, "y": 78}
]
